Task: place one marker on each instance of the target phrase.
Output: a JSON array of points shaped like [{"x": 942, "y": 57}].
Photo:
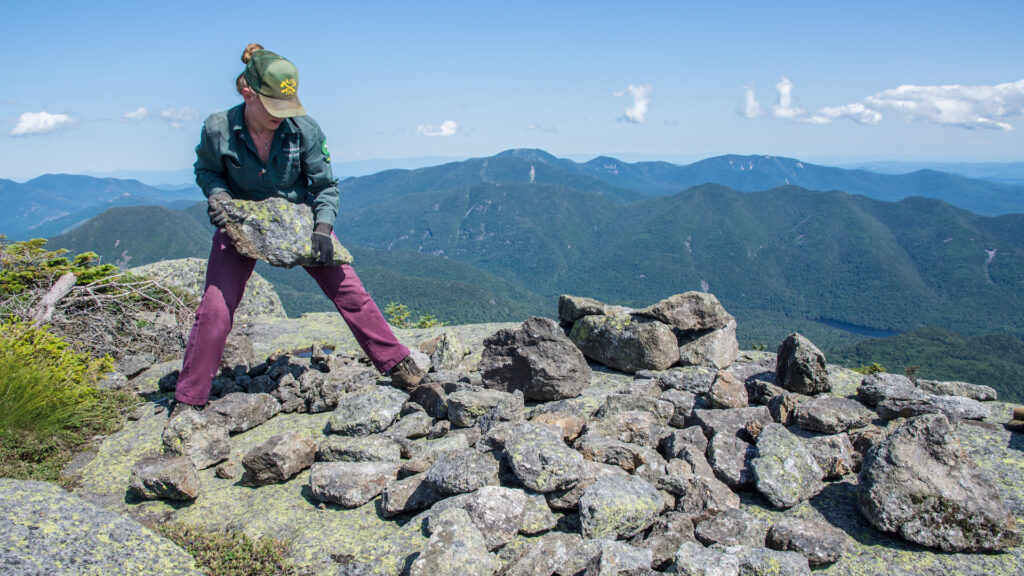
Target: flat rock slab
[
  {"x": 350, "y": 484},
  {"x": 45, "y": 530},
  {"x": 277, "y": 232}
]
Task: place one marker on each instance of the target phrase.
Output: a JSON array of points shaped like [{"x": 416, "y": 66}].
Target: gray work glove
[
  {"x": 215, "y": 210},
  {"x": 323, "y": 248}
]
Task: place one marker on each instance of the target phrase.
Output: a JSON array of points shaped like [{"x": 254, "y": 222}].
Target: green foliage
[
  {"x": 28, "y": 264},
  {"x": 398, "y": 316},
  {"x": 229, "y": 553},
  {"x": 48, "y": 401},
  {"x": 869, "y": 369}
]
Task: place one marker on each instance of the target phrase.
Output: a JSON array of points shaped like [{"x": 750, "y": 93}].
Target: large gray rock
[
  {"x": 455, "y": 548},
  {"x": 164, "y": 476},
  {"x": 499, "y": 512},
  {"x": 198, "y": 435},
  {"x": 728, "y": 392},
  {"x": 407, "y": 495},
  {"x": 543, "y": 556},
  {"x": 818, "y": 541},
  {"x": 239, "y": 411},
  {"x": 920, "y": 483},
  {"x": 733, "y": 421},
  {"x": 367, "y": 411},
  {"x": 834, "y": 453},
  {"x": 832, "y": 415},
  {"x": 665, "y": 536},
  {"x": 589, "y": 472},
  {"x": 278, "y": 459},
  {"x": 692, "y": 559},
  {"x": 731, "y": 459},
  {"x": 375, "y": 448},
  {"x": 635, "y": 426},
  {"x": 572, "y": 308},
  {"x": 955, "y": 408},
  {"x": 632, "y": 458},
  {"x": 189, "y": 274},
  {"x": 607, "y": 557},
  {"x": 461, "y": 472},
  {"x": 716, "y": 349},
  {"x": 536, "y": 358},
  {"x": 349, "y": 484},
  {"x": 801, "y": 366},
  {"x": 618, "y": 506},
  {"x": 785, "y": 472},
  {"x": 977, "y": 392},
  {"x": 875, "y": 388},
  {"x": 760, "y": 561},
  {"x": 732, "y": 528},
  {"x": 46, "y": 530},
  {"x": 276, "y": 231},
  {"x": 465, "y": 407},
  {"x": 625, "y": 342},
  {"x": 540, "y": 460},
  {"x": 689, "y": 312}
]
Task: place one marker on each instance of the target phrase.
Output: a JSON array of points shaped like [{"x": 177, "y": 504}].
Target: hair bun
[{"x": 247, "y": 54}]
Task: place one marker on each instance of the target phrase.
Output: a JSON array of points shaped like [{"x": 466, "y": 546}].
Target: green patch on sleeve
[{"x": 323, "y": 148}]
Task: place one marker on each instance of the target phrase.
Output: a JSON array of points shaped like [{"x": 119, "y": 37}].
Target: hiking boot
[
  {"x": 178, "y": 408},
  {"x": 407, "y": 374}
]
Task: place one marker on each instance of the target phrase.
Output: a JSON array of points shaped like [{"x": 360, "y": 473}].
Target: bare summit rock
[
  {"x": 536, "y": 358},
  {"x": 920, "y": 483},
  {"x": 276, "y": 231}
]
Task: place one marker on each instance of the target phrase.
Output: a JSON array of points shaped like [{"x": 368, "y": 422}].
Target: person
[{"x": 265, "y": 147}]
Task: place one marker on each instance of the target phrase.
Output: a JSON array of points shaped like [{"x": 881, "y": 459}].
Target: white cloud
[
  {"x": 175, "y": 116},
  {"x": 954, "y": 105},
  {"x": 858, "y": 112},
  {"x": 784, "y": 107},
  {"x": 751, "y": 108},
  {"x": 972, "y": 107},
  {"x": 534, "y": 127},
  {"x": 140, "y": 114},
  {"x": 637, "y": 113},
  {"x": 447, "y": 128},
  {"x": 40, "y": 123}
]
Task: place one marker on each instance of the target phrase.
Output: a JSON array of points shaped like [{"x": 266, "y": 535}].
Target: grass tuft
[{"x": 229, "y": 553}]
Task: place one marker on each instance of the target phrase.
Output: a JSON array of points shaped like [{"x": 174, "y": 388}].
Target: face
[{"x": 256, "y": 113}]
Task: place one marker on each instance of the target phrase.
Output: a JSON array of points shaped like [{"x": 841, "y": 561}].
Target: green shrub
[
  {"x": 48, "y": 401},
  {"x": 398, "y": 316},
  {"x": 229, "y": 553},
  {"x": 27, "y": 264},
  {"x": 873, "y": 368}
]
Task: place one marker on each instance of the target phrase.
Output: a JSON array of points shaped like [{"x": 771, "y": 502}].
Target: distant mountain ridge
[
  {"x": 626, "y": 182},
  {"x": 55, "y": 203}
]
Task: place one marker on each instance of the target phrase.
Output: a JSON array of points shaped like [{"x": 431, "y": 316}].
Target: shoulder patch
[{"x": 323, "y": 148}]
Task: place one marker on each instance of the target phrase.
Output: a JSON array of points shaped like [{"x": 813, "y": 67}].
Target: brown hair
[{"x": 246, "y": 56}]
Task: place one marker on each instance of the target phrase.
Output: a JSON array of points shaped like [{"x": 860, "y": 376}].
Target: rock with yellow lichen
[
  {"x": 278, "y": 232},
  {"x": 543, "y": 458}
]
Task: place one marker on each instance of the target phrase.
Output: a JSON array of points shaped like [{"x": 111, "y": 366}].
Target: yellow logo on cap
[{"x": 289, "y": 86}]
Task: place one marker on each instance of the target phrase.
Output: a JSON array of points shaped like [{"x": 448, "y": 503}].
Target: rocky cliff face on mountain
[{"x": 614, "y": 441}]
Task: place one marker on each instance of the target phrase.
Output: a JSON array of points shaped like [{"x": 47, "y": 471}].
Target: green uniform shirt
[{"x": 298, "y": 168}]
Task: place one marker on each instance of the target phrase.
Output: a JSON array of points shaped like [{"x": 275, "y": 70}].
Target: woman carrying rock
[{"x": 263, "y": 148}]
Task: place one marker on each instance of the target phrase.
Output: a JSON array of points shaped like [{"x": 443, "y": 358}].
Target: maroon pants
[{"x": 227, "y": 272}]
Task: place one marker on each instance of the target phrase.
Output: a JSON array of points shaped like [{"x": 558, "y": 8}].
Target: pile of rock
[
  {"x": 636, "y": 479},
  {"x": 691, "y": 329}
]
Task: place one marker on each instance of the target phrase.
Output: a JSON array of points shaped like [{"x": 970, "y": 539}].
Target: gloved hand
[
  {"x": 215, "y": 211},
  {"x": 323, "y": 248}
]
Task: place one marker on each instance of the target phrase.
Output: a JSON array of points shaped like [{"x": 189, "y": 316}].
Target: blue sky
[{"x": 105, "y": 86}]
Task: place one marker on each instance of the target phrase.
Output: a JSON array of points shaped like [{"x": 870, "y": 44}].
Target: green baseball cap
[{"x": 276, "y": 80}]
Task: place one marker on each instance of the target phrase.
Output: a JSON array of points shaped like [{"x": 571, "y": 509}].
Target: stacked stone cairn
[{"x": 641, "y": 479}]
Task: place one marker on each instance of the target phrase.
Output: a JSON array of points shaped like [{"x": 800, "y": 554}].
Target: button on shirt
[{"x": 298, "y": 168}]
